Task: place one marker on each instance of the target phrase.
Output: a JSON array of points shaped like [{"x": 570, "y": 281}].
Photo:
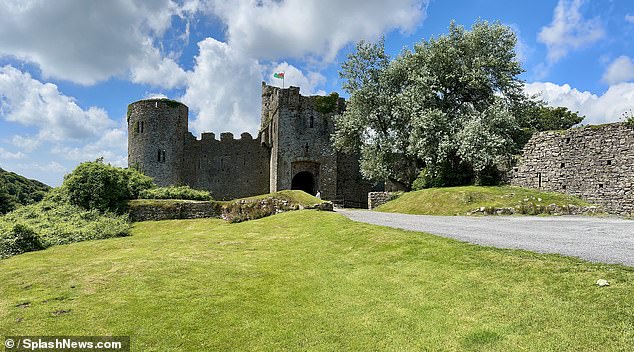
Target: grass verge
[
  {"x": 460, "y": 200},
  {"x": 312, "y": 280}
]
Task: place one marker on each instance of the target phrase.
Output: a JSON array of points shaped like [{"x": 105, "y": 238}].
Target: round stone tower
[{"x": 156, "y": 139}]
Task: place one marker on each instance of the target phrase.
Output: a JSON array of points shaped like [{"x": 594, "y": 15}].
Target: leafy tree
[
  {"x": 374, "y": 123},
  {"x": 445, "y": 107},
  {"x": 7, "y": 202},
  {"x": 555, "y": 118},
  {"x": 95, "y": 185},
  {"x": 535, "y": 116},
  {"x": 20, "y": 190}
]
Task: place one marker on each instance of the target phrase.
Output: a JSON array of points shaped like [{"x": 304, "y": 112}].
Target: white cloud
[
  {"x": 158, "y": 71},
  {"x": 58, "y": 117},
  {"x": 295, "y": 77},
  {"x": 112, "y": 146},
  {"x": 620, "y": 70},
  {"x": 522, "y": 49},
  {"x": 569, "y": 30},
  {"x": 155, "y": 96},
  {"x": 629, "y": 18},
  {"x": 64, "y": 129},
  {"x": 25, "y": 143},
  {"x": 5, "y": 154},
  {"x": 608, "y": 107},
  {"x": 295, "y": 28},
  {"x": 89, "y": 41},
  {"x": 224, "y": 89},
  {"x": 51, "y": 167}
]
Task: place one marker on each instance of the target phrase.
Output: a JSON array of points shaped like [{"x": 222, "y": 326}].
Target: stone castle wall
[
  {"x": 229, "y": 168},
  {"x": 156, "y": 131},
  {"x": 293, "y": 149},
  {"x": 300, "y": 141},
  {"x": 595, "y": 163}
]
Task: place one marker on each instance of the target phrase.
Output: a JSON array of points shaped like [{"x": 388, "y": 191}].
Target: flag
[{"x": 279, "y": 75}]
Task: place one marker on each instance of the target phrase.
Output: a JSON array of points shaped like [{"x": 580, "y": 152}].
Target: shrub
[
  {"x": 95, "y": 185},
  {"x": 20, "y": 239},
  {"x": 55, "y": 221},
  {"x": 182, "y": 192},
  {"x": 423, "y": 180}
]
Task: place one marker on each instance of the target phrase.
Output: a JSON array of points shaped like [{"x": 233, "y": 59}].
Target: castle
[{"x": 293, "y": 150}]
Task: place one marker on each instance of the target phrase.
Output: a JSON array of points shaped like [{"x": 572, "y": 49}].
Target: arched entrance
[{"x": 304, "y": 181}]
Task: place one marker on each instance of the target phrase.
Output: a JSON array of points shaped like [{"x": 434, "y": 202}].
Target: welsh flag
[{"x": 279, "y": 75}]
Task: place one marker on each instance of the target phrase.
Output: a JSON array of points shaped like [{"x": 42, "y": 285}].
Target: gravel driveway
[{"x": 607, "y": 240}]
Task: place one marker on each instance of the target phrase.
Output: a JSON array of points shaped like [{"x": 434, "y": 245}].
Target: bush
[
  {"x": 182, "y": 192},
  {"x": 55, "y": 221},
  {"x": 422, "y": 181},
  {"x": 20, "y": 239},
  {"x": 95, "y": 185}
]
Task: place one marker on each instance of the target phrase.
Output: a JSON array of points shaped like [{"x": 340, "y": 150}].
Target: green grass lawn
[
  {"x": 311, "y": 280},
  {"x": 460, "y": 200}
]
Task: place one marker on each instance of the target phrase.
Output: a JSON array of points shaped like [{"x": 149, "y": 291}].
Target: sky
[{"x": 69, "y": 68}]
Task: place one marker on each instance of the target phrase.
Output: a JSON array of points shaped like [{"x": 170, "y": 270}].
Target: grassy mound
[
  {"x": 460, "y": 200},
  {"x": 313, "y": 281},
  {"x": 257, "y": 207},
  {"x": 292, "y": 196}
]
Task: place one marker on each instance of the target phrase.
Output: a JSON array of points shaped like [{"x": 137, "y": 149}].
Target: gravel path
[{"x": 607, "y": 240}]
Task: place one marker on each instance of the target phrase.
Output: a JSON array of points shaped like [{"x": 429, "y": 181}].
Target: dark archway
[{"x": 304, "y": 181}]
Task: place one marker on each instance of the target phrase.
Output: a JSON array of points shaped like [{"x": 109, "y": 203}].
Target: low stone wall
[
  {"x": 166, "y": 209},
  {"x": 534, "y": 209},
  {"x": 376, "y": 199},
  {"x": 237, "y": 211}
]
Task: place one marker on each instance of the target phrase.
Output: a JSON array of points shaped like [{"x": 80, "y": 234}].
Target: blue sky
[{"x": 68, "y": 68}]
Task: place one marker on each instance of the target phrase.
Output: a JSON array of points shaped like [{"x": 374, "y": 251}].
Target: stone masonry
[
  {"x": 595, "y": 163},
  {"x": 293, "y": 150}
]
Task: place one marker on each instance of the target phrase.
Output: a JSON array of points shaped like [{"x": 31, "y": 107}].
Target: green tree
[
  {"x": 95, "y": 185},
  {"x": 374, "y": 123},
  {"x": 535, "y": 116},
  {"x": 7, "y": 202},
  {"x": 445, "y": 107}
]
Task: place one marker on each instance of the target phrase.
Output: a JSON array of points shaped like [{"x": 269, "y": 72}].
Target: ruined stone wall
[
  {"x": 595, "y": 163},
  {"x": 229, "y": 168},
  {"x": 156, "y": 131}
]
